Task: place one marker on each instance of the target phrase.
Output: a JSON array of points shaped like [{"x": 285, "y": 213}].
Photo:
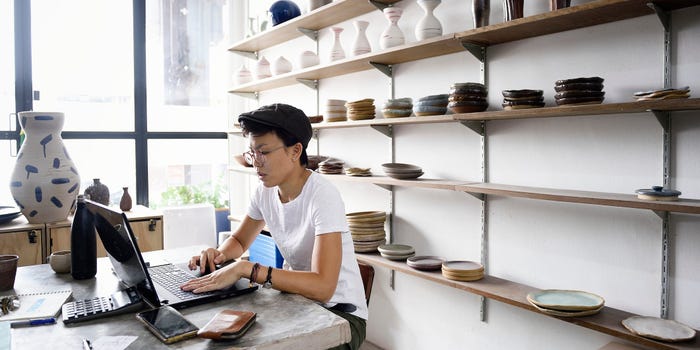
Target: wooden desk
[{"x": 284, "y": 321}]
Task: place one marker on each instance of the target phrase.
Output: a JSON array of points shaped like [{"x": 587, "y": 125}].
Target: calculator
[{"x": 128, "y": 300}]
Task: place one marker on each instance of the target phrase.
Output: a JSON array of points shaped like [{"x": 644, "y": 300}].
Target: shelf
[
  {"x": 608, "y": 321},
  {"x": 389, "y": 181},
  {"x": 687, "y": 206},
  {"x": 325, "y": 16}
]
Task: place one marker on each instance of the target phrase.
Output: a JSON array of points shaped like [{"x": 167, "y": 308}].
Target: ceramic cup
[
  {"x": 60, "y": 261},
  {"x": 8, "y": 270}
]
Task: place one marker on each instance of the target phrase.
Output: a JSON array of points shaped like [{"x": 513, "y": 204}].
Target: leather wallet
[{"x": 227, "y": 325}]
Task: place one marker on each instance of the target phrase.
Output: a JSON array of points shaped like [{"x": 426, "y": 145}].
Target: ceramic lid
[
  {"x": 396, "y": 249},
  {"x": 425, "y": 262}
]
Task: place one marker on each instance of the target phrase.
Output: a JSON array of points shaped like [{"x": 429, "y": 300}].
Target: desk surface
[{"x": 284, "y": 321}]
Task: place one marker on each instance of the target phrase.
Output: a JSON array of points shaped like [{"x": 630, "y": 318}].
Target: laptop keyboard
[{"x": 171, "y": 278}]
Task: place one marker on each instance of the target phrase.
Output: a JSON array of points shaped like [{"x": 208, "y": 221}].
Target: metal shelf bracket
[
  {"x": 248, "y": 54},
  {"x": 251, "y": 95},
  {"x": 479, "y": 196},
  {"x": 387, "y": 130},
  {"x": 476, "y": 125},
  {"x": 386, "y": 187},
  {"x": 661, "y": 13},
  {"x": 312, "y": 34},
  {"x": 311, "y": 83},
  {"x": 478, "y": 51},
  {"x": 384, "y": 68},
  {"x": 663, "y": 118}
]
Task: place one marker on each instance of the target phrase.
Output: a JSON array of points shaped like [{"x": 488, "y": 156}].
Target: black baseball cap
[{"x": 279, "y": 115}]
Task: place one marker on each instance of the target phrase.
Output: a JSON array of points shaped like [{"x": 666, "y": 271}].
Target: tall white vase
[
  {"x": 361, "y": 44},
  {"x": 428, "y": 26},
  {"x": 392, "y": 35},
  {"x": 44, "y": 182},
  {"x": 337, "y": 53}
]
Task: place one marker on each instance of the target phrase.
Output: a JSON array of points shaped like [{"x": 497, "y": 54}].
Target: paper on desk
[
  {"x": 5, "y": 336},
  {"x": 117, "y": 342}
]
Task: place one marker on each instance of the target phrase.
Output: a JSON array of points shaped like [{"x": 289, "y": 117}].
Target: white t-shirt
[{"x": 294, "y": 225}]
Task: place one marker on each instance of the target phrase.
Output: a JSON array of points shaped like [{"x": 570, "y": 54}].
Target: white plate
[
  {"x": 658, "y": 328},
  {"x": 565, "y": 300}
]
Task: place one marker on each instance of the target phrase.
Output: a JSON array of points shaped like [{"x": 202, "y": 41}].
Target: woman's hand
[
  {"x": 219, "y": 279},
  {"x": 207, "y": 259}
]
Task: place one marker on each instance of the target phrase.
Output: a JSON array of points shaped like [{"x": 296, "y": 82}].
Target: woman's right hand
[{"x": 207, "y": 260}]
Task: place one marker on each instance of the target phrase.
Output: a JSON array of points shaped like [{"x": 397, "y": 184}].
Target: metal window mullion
[{"x": 140, "y": 107}]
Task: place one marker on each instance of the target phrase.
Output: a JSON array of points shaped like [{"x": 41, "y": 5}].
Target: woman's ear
[{"x": 296, "y": 151}]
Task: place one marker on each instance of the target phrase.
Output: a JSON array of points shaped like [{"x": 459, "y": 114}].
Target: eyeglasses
[{"x": 258, "y": 156}]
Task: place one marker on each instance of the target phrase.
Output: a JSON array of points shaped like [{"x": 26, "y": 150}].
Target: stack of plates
[
  {"x": 315, "y": 119},
  {"x": 361, "y": 110},
  {"x": 658, "y": 193},
  {"x": 566, "y": 303},
  {"x": 8, "y": 213},
  {"x": 468, "y": 97},
  {"x": 314, "y": 160},
  {"x": 462, "y": 270},
  {"x": 425, "y": 262},
  {"x": 579, "y": 91},
  {"x": 664, "y": 94},
  {"x": 398, "y": 107},
  {"x": 367, "y": 230},
  {"x": 402, "y": 170},
  {"x": 335, "y": 111},
  {"x": 520, "y": 99},
  {"x": 358, "y": 172},
  {"x": 431, "y": 105},
  {"x": 396, "y": 251},
  {"x": 331, "y": 166}
]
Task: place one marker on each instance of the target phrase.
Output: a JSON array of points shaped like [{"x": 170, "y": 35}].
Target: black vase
[
  {"x": 481, "y": 9},
  {"x": 83, "y": 243}
]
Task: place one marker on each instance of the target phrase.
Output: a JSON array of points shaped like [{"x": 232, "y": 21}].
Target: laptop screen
[{"x": 118, "y": 239}]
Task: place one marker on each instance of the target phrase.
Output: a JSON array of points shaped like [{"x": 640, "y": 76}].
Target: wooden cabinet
[
  {"x": 147, "y": 225},
  {"x": 23, "y": 239}
]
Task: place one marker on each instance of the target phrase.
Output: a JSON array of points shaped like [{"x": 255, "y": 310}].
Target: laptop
[{"x": 152, "y": 284}]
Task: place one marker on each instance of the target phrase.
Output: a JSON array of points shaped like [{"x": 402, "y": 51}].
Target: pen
[
  {"x": 86, "y": 344},
  {"x": 37, "y": 322}
]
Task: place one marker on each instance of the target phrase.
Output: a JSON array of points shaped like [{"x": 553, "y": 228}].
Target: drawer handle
[
  {"x": 152, "y": 225},
  {"x": 31, "y": 236}
]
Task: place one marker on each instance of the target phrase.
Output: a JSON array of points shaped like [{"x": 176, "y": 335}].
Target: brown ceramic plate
[
  {"x": 425, "y": 262},
  {"x": 469, "y": 109},
  {"x": 521, "y": 93},
  {"x": 579, "y": 86},
  {"x": 597, "y": 80},
  {"x": 579, "y": 100},
  {"x": 457, "y": 266}
]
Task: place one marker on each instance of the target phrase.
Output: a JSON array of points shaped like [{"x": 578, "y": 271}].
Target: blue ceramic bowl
[{"x": 283, "y": 10}]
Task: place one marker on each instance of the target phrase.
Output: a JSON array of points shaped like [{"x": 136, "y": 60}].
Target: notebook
[
  {"x": 38, "y": 305},
  {"x": 129, "y": 266}
]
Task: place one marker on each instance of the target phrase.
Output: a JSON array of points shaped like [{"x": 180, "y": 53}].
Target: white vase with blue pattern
[{"x": 44, "y": 182}]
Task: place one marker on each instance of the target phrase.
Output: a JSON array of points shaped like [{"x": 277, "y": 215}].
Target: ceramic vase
[
  {"x": 481, "y": 9},
  {"x": 125, "y": 203},
  {"x": 308, "y": 59},
  {"x": 44, "y": 182},
  {"x": 281, "y": 65},
  {"x": 428, "y": 26},
  {"x": 361, "y": 45},
  {"x": 512, "y": 9},
  {"x": 243, "y": 76},
  {"x": 262, "y": 68},
  {"x": 98, "y": 192},
  {"x": 337, "y": 53},
  {"x": 392, "y": 35},
  {"x": 559, "y": 4},
  {"x": 283, "y": 10}
]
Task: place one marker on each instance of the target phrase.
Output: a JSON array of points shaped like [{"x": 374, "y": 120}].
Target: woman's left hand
[{"x": 219, "y": 279}]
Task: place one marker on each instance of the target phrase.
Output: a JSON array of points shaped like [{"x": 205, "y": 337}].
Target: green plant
[{"x": 187, "y": 194}]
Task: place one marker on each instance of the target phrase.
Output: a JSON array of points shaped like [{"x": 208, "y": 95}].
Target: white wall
[{"x": 613, "y": 252}]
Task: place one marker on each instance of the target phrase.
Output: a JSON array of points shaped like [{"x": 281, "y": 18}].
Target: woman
[{"x": 306, "y": 217}]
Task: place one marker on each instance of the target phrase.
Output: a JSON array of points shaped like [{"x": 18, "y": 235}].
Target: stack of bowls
[
  {"x": 521, "y": 99},
  {"x": 315, "y": 119},
  {"x": 402, "y": 170},
  {"x": 398, "y": 107},
  {"x": 663, "y": 94},
  {"x": 331, "y": 166},
  {"x": 431, "y": 105},
  {"x": 335, "y": 111},
  {"x": 462, "y": 270},
  {"x": 579, "y": 91},
  {"x": 358, "y": 172},
  {"x": 396, "y": 251},
  {"x": 361, "y": 109},
  {"x": 367, "y": 230},
  {"x": 314, "y": 160},
  {"x": 468, "y": 97}
]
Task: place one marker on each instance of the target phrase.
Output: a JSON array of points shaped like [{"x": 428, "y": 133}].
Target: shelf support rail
[
  {"x": 665, "y": 264},
  {"x": 484, "y": 215}
]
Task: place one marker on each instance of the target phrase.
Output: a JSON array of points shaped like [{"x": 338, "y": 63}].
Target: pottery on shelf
[
  {"x": 262, "y": 68},
  {"x": 125, "y": 203},
  {"x": 559, "y": 4},
  {"x": 512, "y": 9},
  {"x": 392, "y": 35},
  {"x": 243, "y": 76},
  {"x": 337, "y": 52},
  {"x": 44, "y": 182},
  {"x": 314, "y": 4},
  {"x": 428, "y": 26},
  {"x": 308, "y": 59},
  {"x": 481, "y": 9},
  {"x": 98, "y": 192},
  {"x": 361, "y": 45},
  {"x": 281, "y": 65},
  {"x": 283, "y": 10}
]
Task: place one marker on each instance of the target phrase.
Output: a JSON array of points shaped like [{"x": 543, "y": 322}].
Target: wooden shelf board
[
  {"x": 432, "y": 119},
  {"x": 608, "y": 321},
  {"x": 579, "y": 110},
  {"x": 325, "y": 16},
  {"x": 574, "y": 17},
  {"x": 385, "y": 180},
  {"x": 688, "y": 206}
]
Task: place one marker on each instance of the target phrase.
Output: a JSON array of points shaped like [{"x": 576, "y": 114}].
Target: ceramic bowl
[
  {"x": 594, "y": 80},
  {"x": 433, "y": 97},
  {"x": 429, "y": 110},
  {"x": 281, "y": 65},
  {"x": 308, "y": 59},
  {"x": 431, "y": 103},
  {"x": 579, "y": 86},
  {"x": 466, "y": 97},
  {"x": 314, "y": 160},
  {"x": 336, "y": 102},
  {"x": 405, "y": 167},
  {"x": 465, "y": 107},
  {"x": 397, "y": 113},
  {"x": 315, "y": 119},
  {"x": 579, "y": 93},
  {"x": 521, "y": 93},
  {"x": 579, "y": 100}
]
